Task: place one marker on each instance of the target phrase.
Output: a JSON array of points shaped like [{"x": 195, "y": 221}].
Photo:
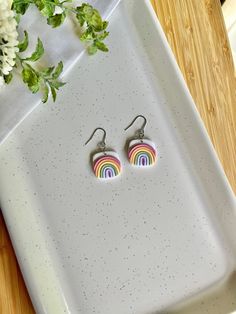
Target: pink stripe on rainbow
[
  {"x": 106, "y": 167},
  {"x": 142, "y": 155}
]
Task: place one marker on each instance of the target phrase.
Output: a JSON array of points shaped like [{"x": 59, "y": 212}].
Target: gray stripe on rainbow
[{"x": 142, "y": 155}]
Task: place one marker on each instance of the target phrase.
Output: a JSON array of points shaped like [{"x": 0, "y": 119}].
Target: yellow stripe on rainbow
[
  {"x": 106, "y": 167},
  {"x": 142, "y": 155}
]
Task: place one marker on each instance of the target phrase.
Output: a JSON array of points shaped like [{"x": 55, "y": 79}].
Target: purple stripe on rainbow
[
  {"x": 106, "y": 167},
  {"x": 142, "y": 155}
]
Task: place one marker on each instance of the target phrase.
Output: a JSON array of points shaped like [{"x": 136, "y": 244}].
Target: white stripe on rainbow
[
  {"x": 106, "y": 166},
  {"x": 142, "y": 154}
]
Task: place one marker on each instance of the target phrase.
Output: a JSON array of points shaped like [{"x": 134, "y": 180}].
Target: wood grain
[
  {"x": 14, "y": 298},
  {"x": 196, "y": 32}
]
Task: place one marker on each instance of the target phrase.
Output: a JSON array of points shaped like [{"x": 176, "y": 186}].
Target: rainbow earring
[
  {"x": 106, "y": 164},
  {"x": 141, "y": 151}
]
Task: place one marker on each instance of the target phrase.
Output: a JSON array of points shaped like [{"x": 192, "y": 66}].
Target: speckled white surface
[{"x": 146, "y": 240}]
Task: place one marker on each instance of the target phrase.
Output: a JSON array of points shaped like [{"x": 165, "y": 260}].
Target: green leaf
[
  {"x": 26, "y": 75},
  {"x": 20, "y": 6},
  {"x": 103, "y": 35},
  {"x": 39, "y": 4},
  {"x": 86, "y": 13},
  {"x": 37, "y": 54},
  {"x": 95, "y": 27},
  {"x": 8, "y": 78},
  {"x": 92, "y": 49},
  {"x": 101, "y": 46},
  {"x": 47, "y": 71},
  {"x": 31, "y": 79},
  {"x": 34, "y": 88},
  {"x": 45, "y": 93},
  {"x": 24, "y": 44},
  {"x": 57, "y": 84},
  {"x": 96, "y": 21},
  {"x": 87, "y": 35},
  {"x": 80, "y": 19},
  {"x": 56, "y": 20},
  {"x": 48, "y": 9},
  {"x": 87, "y": 10},
  {"x": 58, "y": 70},
  {"x": 53, "y": 92},
  {"x": 104, "y": 24}
]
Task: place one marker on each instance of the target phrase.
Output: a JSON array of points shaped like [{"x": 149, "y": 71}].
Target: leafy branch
[
  {"x": 45, "y": 79},
  {"x": 93, "y": 30}
]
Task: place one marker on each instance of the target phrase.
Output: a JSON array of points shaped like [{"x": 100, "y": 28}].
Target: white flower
[{"x": 8, "y": 38}]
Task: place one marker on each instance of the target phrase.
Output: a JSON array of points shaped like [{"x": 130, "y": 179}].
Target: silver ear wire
[
  {"x": 102, "y": 144},
  {"x": 141, "y": 130}
]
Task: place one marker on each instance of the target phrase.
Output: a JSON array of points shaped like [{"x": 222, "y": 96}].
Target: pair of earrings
[{"x": 141, "y": 153}]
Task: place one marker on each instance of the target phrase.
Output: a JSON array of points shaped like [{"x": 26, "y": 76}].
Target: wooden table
[{"x": 196, "y": 32}]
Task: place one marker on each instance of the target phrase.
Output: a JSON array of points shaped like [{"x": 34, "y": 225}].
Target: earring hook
[
  {"x": 141, "y": 130},
  {"x": 102, "y": 144}
]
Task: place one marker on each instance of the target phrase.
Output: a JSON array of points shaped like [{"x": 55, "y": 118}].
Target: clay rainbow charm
[
  {"x": 142, "y": 154},
  {"x": 106, "y": 166}
]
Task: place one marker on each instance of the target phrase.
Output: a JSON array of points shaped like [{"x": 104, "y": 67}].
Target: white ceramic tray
[{"x": 160, "y": 240}]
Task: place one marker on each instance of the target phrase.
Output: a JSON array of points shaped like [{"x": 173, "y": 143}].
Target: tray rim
[
  {"x": 194, "y": 111},
  {"x": 192, "y": 104}
]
